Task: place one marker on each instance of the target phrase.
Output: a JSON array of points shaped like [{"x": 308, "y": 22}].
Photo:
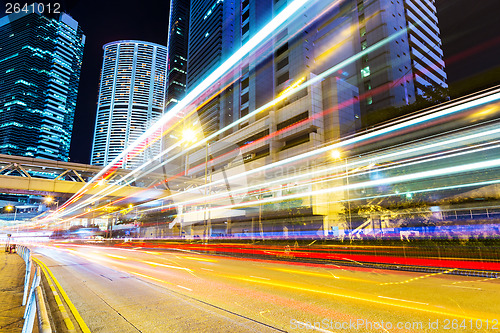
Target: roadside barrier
[
  {"x": 25, "y": 253},
  {"x": 33, "y": 297}
]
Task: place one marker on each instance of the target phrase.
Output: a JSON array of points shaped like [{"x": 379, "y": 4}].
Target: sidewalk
[{"x": 12, "y": 270}]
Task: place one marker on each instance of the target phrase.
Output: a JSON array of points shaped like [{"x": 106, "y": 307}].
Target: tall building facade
[
  {"x": 313, "y": 42},
  {"x": 407, "y": 67},
  {"x": 318, "y": 114},
  {"x": 217, "y": 29},
  {"x": 131, "y": 99},
  {"x": 211, "y": 40},
  {"x": 40, "y": 63},
  {"x": 178, "y": 33}
]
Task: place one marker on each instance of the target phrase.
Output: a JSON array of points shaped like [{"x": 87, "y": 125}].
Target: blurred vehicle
[{"x": 59, "y": 234}]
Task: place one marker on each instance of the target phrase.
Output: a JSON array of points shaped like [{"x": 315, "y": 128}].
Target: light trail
[
  {"x": 363, "y": 298},
  {"x": 304, "y": 85},
  {"x": 74, "y": 208},
  {"x": 385, "y": 181},
  {"x": 258, "y": 38},
  {"x": 450, "y": 110},
  {"x": 370, "y": 93},
  {"x": 482, "y": 135},
  {"x": 270, "y": 104},
  {"x": 438, "y": 114}
]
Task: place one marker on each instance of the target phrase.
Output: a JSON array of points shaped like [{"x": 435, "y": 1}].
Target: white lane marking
[
  {"x": 151, "y": 252},
  {"x": 115, "y": 256},
  {"x": 207, "y": 269},
  {"x": 309, "y": 326},
  {"x": 189, "y": 251},
  {"x": 258, "y": 277},
  {"x": 449, "y": 285},
  {"x": 169, "y": 266},
  {"x": 403, "y": 300},
  {"x": 184, "y": 288}
]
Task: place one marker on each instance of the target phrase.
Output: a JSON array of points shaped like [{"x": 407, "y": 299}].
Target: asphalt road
[{"x": 137, "y": 290}]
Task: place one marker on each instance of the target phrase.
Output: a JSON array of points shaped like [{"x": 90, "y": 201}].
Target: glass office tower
[
  {"x": 40, "y": 62},
  {"x": 177, "y": 45}
]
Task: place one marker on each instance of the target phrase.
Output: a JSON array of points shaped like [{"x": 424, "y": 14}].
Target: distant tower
[
  {"x": 211, "y": 40},
  {"x": 40, "y": 62},
  {"x": 131, "y": 99},
  {"x": 177, "y": 45}
]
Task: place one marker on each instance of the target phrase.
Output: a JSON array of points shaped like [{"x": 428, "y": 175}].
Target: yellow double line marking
[{"x": 50, "y": 277}]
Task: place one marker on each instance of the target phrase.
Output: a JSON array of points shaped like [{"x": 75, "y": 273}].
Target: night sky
[{"x": 469, "y": 31}]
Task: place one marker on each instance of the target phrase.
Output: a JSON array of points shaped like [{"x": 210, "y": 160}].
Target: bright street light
[
  {"x": 50, "y": 200},
  {"x": 9, "y": 208},
  {"x": 188, "y": 135},
  {"x": 336, "y": 154}
]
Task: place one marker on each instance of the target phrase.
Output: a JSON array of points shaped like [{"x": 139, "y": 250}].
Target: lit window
[
  {"x": 365, "y": 72},
  {"x": 362, "y": 31},
  {"x": 364, "y": 45}
]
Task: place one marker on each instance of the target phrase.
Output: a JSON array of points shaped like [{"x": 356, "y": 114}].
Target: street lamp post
[
  {"x": 15, "y": 215},
  {"x": 49, "y": 200},
  {"x": 9, "y": 208},
  {"x": 348, "y": 199},
  {"x": 189, "y": 135},
  {"x": 336, "y": 154},
  {"x": 207, "y": 219}
]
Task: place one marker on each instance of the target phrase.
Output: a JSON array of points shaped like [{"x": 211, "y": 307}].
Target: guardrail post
[
  {"x": 29, "y": 313},
  {"x": 27, "y": 278},
  {"x": 30, "y": 320},
  {"x": 34, "y": 284}
]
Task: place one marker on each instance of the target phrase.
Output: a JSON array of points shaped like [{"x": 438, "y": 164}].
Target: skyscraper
[
  {"x": 211, "y": 40},
  {"x": 131, "y": 99},
  {"x": 40, "y": 62},
  {"x": 177, "y": 45},
  {"x": 408, "y": 66}
]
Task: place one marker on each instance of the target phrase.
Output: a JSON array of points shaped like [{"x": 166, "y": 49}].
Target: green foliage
[
  {"x": 159, "y": 216},
  {"x": 401, "y": 213}
]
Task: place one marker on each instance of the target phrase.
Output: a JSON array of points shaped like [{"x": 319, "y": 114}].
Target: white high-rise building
[{"x": 131, "y": 99}]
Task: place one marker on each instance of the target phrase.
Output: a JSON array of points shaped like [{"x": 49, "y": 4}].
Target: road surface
[{"x": 139, "y": 290}]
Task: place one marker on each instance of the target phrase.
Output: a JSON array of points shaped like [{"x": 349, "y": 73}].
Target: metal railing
[{"x": 33, "y": 297}]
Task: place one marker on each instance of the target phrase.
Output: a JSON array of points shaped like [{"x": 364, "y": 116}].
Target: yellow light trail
[
  {"x": 200, "y": 259},
  {"x": 329, "y": 276},
  {"x": 150, "y": 277},
  {"x": 419, "y": 277}
]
